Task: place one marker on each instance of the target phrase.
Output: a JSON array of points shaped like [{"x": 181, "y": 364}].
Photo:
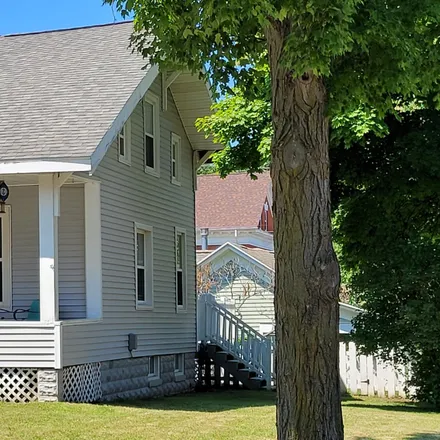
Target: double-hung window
[
  {"x": 144, "y": 266},
  {"x": 5, "y": 259},
  {"x": 180, "y": 269},
  {"x": 124, "y": 143},
  {"x": 175, "y": 158},
  {"x": 151, "y": 134}
]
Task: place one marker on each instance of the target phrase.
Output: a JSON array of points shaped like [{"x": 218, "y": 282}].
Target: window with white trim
[
  {"x": 151, "y": 134},
  {"x": 179, "y": 363},
  {"x": 175, "y": 158},
  {"x": 154, "y": 366},
  {"x": 180, "y": 269},
  {"x": 5, "y": 259},
  {"x": 124, "y": 143},
  {"x": 144, "y": 266}
]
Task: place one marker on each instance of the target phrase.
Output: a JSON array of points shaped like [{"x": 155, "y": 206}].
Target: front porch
[
  {"x": 50, "y": 262},
  {"x": 50, "y": 249}
]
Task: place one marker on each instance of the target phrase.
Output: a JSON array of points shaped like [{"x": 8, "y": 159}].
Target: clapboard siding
[
  {"x": 27, "y": 346},
  {"x": 129, "y": 195},
  {"x": 25, "y": 243},
  {"x": 256, "y": 308},
  {"x": 25, "y": 249},
  {"x": 71, "y": 253}
]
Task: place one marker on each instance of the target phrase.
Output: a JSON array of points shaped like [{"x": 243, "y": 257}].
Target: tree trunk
[{"x": 307, "y": 272}]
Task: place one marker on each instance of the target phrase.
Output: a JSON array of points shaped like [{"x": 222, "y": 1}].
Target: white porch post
[
  {"x": 92, "y": 197},
  {"x": 48, "y": 206}
]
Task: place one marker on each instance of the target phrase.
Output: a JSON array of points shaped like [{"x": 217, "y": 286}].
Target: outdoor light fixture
[{"x": 4, "y": 194}]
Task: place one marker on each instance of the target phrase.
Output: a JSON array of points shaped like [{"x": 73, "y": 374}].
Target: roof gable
[
  {"x": 60, "y": 91},
  {"x": 260, "y": 261},
  {"x": 228, "y": 251},
  {"x": 64, "y": 95}
]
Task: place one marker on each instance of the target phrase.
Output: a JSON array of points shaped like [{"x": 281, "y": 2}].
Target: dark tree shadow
[
  {"x": 425, "y": 436},
  {"x": 210, "y": 401},
  {"x": 416, "y": 436},
  {"x": 350, "y": 398},
  {"x": 395, "y": 406}
]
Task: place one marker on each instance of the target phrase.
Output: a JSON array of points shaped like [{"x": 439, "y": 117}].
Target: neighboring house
[
  {"x": 242, "y": 279},
  {"x": 236, "y": 209},
  {"x": 98, "y": 230}
]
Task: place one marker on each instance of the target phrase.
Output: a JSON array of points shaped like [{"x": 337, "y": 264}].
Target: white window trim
[
  {"x": 6, "y": 303},
  {"x": 125, "y": 159},
  {"x": 181, "y": 308},
  {"x": 149, "y": 283},
  {"x": 155, "y": 102},
  {"x": 175, "y": 138},
  {"x": 154, "y": 379}
]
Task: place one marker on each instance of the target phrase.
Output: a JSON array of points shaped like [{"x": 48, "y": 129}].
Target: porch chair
[{"x": 33, "y": 313}]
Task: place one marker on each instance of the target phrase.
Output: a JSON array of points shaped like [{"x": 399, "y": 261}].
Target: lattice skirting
[
  {"x": 82, "y": 383},
  {"x": 18, "y": 385}
]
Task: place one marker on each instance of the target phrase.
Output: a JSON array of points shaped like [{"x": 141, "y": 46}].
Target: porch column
[
  {"x": 92, "y": 206},
  {"x": 48, "y": 207}
]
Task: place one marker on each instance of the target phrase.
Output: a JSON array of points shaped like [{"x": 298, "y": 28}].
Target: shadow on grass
[
  {"x": 422, "y": 436},
  {"x": 417, "y": 436},
  {"x": 350, "y": 398},
  {"x": 210, "y": 401},
  {"x": 394, "y": 406}
]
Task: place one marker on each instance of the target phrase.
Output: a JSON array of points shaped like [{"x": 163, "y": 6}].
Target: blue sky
[{"x": 40, "y": 15}]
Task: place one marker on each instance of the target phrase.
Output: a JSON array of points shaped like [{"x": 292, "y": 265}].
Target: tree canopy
[
  {"x": 387, "y": 193},
  {"x": 324, "y": 58},
  {"x": 368, "y": 51}
]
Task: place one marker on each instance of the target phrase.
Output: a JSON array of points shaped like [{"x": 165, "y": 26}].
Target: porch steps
[{"x": 241, "y": 374}]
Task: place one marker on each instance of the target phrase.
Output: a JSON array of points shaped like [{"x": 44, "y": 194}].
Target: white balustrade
[{"x": 218, "y": 325}]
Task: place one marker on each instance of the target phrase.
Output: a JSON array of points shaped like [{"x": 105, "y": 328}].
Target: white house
[
  {"x": 242, "y": 279},
  {"x": 97, "y": 233}
]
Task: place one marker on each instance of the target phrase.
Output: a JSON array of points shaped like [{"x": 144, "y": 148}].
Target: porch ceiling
[{"x": 27, "y": 179}]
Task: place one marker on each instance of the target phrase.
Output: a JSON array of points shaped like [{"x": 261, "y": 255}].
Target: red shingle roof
[{"x": 234, "y": 202}]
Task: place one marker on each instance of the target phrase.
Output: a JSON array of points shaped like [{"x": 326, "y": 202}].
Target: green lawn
[{"x": 239, "y": 415}]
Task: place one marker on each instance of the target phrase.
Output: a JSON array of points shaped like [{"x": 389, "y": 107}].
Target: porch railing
[{"x": 218, "y": 325}]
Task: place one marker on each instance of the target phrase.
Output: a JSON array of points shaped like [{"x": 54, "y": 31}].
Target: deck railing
[{"x": 218, "y": 325}]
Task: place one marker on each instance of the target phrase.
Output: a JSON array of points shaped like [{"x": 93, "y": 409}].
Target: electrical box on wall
[{"x": 132, "y": 342}]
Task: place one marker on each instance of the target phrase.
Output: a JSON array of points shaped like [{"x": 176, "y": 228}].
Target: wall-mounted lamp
[{"x": 4, "y": 194}]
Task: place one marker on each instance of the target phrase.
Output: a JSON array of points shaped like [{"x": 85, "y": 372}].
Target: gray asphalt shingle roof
[{"x": 61, "y": 90}]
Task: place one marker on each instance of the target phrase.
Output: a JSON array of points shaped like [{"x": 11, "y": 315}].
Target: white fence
[{"x": 369, "y": 376}]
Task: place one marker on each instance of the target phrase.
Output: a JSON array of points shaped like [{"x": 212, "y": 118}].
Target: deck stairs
[{"x": 236, "y": 352}]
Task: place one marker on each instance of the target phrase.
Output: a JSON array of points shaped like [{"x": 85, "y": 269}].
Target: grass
[{"x": 238, "y": 415}]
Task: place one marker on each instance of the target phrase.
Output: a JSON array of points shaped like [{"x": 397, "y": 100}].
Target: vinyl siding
[
  {"x": 27, "y": 346},
  {"x": 71, "y": 253},
  {"x": 25, "y": 249},
  {"x": 255, "y": 308},
  {"x": 25, "y": 244},
  {"x": 130, "y": 195}
]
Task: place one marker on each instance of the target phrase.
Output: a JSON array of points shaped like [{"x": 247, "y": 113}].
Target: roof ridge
[
  {"x": 232, "y": 174},
  {"x": 67, "y": 29}
]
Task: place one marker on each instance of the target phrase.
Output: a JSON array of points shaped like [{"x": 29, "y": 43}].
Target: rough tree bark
[{"x": 307, "y": 271}]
